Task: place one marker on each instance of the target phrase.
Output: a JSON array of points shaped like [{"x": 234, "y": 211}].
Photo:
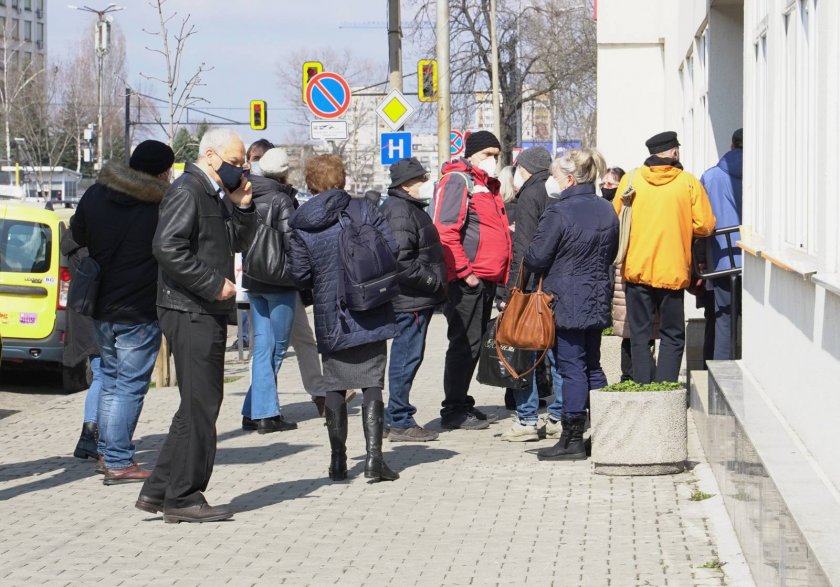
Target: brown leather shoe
[
  {"x": 198, "y": 513},
  {"x": 132, "y": 474},
  {"x": 149, "y": 504},
  {"x": 100, "y": 465}
]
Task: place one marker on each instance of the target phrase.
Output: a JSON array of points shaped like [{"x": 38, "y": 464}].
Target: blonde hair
[
  {"x": 586, "y": 165},
  {"x": 508, "y": 191}
]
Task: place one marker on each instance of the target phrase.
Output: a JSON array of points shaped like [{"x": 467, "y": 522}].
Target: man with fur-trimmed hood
[{"x": 116, "y": 220}]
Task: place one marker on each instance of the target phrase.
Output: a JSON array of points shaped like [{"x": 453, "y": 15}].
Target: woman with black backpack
[{"x": 354, "y": 317}]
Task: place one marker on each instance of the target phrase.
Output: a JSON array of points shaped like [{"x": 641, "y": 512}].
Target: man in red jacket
[{"x": 470, "y": 217}]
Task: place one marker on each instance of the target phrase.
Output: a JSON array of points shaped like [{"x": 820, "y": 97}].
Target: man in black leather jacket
[{"x": 205, "y": 217}]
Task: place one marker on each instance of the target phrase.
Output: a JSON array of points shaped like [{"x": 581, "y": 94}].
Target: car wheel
[{"x": 76, "y": 378}]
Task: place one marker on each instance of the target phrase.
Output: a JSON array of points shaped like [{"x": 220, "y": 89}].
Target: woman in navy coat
[{"x": 574, "y": 246}]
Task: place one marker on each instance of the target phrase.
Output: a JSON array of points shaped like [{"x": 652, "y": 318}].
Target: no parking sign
[{"x": 328, "y": 95}]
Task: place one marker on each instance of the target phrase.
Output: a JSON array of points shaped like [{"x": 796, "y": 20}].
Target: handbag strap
[
  {"x": 510, "y": 369},
  {"x": 629, "y": 191}
]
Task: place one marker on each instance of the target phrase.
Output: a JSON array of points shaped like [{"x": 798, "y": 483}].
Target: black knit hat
[
  {"x": 738, "y": 138},
  {"x": 480, "y": 140},
  {"x": 534, "y": 159},
  {"x": 152, "y": 157}
]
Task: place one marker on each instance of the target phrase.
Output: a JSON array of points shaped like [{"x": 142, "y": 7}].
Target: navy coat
[
  {"x": 314, "y": 263},
  {"x": 574, "y": 246}
]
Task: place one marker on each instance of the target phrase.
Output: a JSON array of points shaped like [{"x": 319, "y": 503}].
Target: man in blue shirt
[{"x": 723, "y": 184}]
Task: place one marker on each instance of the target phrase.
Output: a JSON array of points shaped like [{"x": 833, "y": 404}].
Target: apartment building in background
[{"x": 24, "y": 32}]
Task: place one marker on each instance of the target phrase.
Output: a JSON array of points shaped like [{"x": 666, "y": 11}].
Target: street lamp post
[{"x": 103, "y": 44}]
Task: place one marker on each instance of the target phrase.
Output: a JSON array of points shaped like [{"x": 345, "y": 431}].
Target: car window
[{"x": 25, "y": 247}]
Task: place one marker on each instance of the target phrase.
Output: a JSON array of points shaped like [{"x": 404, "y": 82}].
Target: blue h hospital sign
[{"x": 394, "y": 146}]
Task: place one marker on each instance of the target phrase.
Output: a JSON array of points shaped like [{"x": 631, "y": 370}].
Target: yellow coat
[{"x": 671, "y": 206}]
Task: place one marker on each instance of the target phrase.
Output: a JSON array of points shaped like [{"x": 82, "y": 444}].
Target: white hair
[
  {"x": 507, "y": 190},
  {"x": 584, "y": 164},
  {"x": 216, "y": 139}
]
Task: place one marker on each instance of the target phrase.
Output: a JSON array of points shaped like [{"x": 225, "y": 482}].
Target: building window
[
  {"x": 758, "y": 154},
  {"x": 15, "y": 29},
  {"x": 15, "y": 3},
  {"x": 27, "y": 4},
  {"x": 27, "y": 30},
  {"x": 39, "y": 32}
]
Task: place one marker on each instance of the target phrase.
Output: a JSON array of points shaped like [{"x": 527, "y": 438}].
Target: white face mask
[
  {"x": 427, "y": 191},
  {"x": 489, "y": 166},
  {"x": 518, "y": 180},
  {"x": 552, "y": 186}
]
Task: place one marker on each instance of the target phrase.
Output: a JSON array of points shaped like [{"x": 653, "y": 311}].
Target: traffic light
[
  {"x": 259, "y": 114},
  {"x": 310, "y": 70},
  {"x": 427, "y": 80}
]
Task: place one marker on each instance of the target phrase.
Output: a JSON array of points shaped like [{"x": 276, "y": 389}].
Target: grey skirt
[{"x": 355, "y": 368}]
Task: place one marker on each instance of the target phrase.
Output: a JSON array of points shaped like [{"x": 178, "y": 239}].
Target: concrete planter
[{"x": 639, "y": 433}]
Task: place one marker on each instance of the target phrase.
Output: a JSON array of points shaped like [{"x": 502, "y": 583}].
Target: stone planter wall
[{"x": 639, "y": 433}]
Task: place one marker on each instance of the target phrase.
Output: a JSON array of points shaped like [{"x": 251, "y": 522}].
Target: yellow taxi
[{"x": 34, "y": 283}]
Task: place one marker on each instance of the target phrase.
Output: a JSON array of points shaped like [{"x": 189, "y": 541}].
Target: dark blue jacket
[
  {"x": 574, "y": 245},
  {"x": 723, "y": 184},
  {"x": 315, "y": 264}
]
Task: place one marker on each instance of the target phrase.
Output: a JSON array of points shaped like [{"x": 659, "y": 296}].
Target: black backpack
[{"x": 369, "y": 270}]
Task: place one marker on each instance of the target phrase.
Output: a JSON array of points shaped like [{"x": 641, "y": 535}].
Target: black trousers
[
  {"x": 467, "y": 311},
  {"x": 643, "y": 302},
  {"x": 185, "y": 463}
]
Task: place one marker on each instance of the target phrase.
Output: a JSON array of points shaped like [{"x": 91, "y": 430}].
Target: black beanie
[
  {"x": 480, "y": 140},
  {"x": 152, "y": 157}
]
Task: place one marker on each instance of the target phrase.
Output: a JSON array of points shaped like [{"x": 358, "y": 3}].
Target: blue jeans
[
  {"x": 94, "y": 391},
  {"x": 128, "y": 353},
  {"x": 528, "y": 399},
  {"x": 407, "y": 351},
  {"x": 578, "y": 356},
  {"x": 272, "y": 316}
]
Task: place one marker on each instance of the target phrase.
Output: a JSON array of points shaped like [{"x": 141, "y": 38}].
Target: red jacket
[{"x": 474, "y": 229}]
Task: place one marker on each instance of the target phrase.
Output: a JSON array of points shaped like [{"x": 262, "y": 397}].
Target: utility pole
[
  {"x": 103, "y": 45},
  {"x": 127, "y": 139},
  {"x": 444, "y": 112},
  {"x": 395, "y": 79},
  {"x": 494, "y": 72}
]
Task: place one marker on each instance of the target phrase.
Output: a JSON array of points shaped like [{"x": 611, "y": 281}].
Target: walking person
[
  {"x": 422, "y": 280},
  {"x": 723, "y": 183},
  {"x": 272, "y": 305},
  {"x": 573, "y": 247},
  {"x": 475, "y": 234},
  {"x": 530, "y": 178},
  {"x": 669, "y": 208},
  {"x": 352, "y": 343},
  {"x": 195, "y": 242},
  {"x": 116, "y": 220}
]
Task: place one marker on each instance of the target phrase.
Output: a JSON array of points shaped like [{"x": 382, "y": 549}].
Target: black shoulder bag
[{"x": 265, "y": 260}]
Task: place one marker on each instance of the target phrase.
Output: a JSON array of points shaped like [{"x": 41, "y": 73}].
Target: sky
[{"x": 243, "y": 40}]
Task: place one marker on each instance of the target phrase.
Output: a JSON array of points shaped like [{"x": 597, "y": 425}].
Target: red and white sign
[
  {"x": 328, "y": 95},
  {"x": 456, "y": 143}
]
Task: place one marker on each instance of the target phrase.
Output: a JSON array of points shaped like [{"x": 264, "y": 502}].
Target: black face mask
[
  {"x": 230, "y": 175},
  {"x": 608, "y": 193}
]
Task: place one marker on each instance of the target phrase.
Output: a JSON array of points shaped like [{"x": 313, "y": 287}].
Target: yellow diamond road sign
[{"x": 395, "y": 109}]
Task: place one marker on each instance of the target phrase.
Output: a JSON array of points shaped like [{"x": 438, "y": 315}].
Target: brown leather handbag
[{"x": 527, "y": 322}]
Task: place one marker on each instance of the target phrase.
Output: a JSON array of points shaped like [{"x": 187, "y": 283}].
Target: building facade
[
  {"x": 24, "y": 31},
  {"x": 705, "y": 68}
]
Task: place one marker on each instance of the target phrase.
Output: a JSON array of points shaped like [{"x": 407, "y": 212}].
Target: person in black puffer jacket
[
  {"x": 422, "y": 280},
  {"x": 116, "y": 220},
  {"x": 272, "y": 305},
  {"x": 574, "y": 246},
  {"x": 352, "y": 343}
]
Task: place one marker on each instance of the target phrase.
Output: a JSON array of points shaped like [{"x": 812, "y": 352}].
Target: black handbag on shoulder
[
  {"x": 84, "y": 287},
  {"x": 265, "y": 260}
]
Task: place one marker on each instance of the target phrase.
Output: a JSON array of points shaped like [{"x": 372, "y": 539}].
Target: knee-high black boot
[
  {"x": 88, "y": 441},
  {"x": 373, "y": 422},
  {"x": 570, "y": 447},
  {"x": 337, "y": 430}
]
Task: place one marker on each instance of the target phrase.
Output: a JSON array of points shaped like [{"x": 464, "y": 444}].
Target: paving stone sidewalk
[{"x": 468, "y": 509}]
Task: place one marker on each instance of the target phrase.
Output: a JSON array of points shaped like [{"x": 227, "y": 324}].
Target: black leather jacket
[{"x": 196, "y": 238}]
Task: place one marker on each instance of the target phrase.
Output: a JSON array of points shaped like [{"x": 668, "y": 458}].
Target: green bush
[
  {"x": 608, "y": 331},
  {"x": 633, "y": 386}
]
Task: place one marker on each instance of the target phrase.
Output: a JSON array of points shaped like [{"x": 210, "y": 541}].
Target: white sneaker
[
  {"x": 519, "y": 432},
  {"x": 552, "y": 429}
]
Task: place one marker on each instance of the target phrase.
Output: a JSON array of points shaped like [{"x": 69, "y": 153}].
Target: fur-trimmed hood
[{"x": 136, "y": 184}]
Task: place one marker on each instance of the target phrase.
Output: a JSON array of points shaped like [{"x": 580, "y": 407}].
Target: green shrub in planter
[{"x": 655, "y": 386}]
